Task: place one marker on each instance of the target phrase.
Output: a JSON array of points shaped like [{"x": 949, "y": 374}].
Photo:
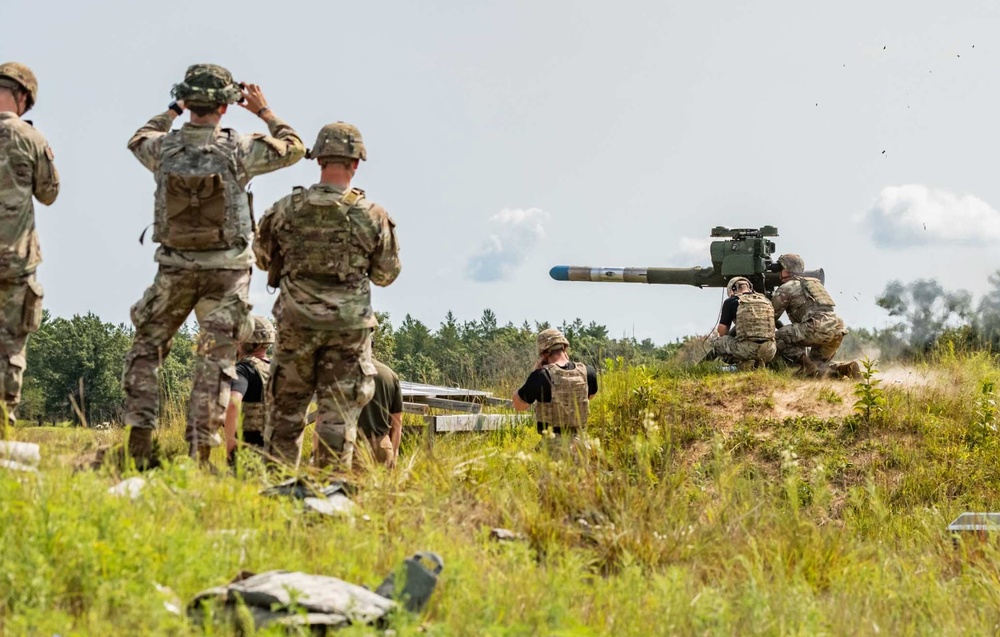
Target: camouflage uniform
[
  {"x": 753, "y": 342},
  {"x": 214, "y": 281},
  {"x": 26, "y": 170},
  {"x": 813, "y": 322},
  {"x": 324, "y": 246}
]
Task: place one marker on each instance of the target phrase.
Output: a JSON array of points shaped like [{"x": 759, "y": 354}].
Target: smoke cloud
[
  {"x": 515, "y": 234},
  {"x": 914, "y": 215}
]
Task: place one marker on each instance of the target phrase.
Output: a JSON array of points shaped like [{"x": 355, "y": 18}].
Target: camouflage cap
[
  {"x": 735, "y": 282},
  {"x": 263, "y": 331},
  {"x": 207, "y": 85},
  {"x": 549, "y": 339},
  {"x": 792, "y": 263},
  {"x": 23, "y": 77},
  {"x": 339, "y": 139}
]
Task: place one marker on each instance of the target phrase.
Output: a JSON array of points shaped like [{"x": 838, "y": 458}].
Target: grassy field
[{"x": 708, "y": 504}]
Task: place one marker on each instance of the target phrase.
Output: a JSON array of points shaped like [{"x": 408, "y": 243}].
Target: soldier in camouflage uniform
[
  {"x": 813, "y": 322},
  {"x": 752, "y": 343},
  {"x": 26, "y": 170},
  {"x": 559, "y": 388},
  {"x": 204, "y": 225},
  {"x": 247, "y": 392},
  {"x": 324, "y": 246}
]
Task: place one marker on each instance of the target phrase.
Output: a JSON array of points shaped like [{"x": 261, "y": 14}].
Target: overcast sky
[{"x": 508, "y": 137}]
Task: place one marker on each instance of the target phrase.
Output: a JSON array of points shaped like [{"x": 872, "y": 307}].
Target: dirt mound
[{"x": 824, "y": 399}]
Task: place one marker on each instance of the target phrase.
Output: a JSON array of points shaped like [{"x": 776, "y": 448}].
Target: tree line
[
  {"x": 75, "y": 364},
  {"x": 925, "y": 315}
]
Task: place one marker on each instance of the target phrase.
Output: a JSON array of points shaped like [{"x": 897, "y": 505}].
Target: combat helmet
[
  {"x": 735, "y": 282},
  {"x": 263, "y": 331},
  {"x": 550, "y": 338},
  {"x": 792, "y": 263},
  {"x": 207, "y": 85},
  {"x": 21, "y": 76},
  {"x": 339, "y": 139}
]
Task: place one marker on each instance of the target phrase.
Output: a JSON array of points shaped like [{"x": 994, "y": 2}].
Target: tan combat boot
[
  {"x": 140, "y": 447},
  {"x": 807, "y": 367},
  {"x": 746, "y": 366},
  {"x": 849, "y": 370}
]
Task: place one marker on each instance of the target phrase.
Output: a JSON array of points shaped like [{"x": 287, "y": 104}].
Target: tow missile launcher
[{"x": 739, "y": 252}]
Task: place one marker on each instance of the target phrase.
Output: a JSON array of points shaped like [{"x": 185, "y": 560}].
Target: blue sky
[{"x": 506, "y": 138}]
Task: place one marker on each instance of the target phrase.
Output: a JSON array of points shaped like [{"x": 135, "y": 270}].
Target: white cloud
[
  {"x": 691, "y": 252},
  {"x": 515, "y": 234},
  {"x": 913, "y": 214}
]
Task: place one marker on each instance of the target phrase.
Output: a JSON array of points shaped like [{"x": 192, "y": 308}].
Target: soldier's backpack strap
[
  {"x": 298, "y": 198},
  {"x": 350, "y": 198}
]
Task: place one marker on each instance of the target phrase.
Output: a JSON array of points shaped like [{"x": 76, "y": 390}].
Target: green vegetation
[
  {"x": 707, "y": 503},
  {"x": 75, "y": 365},
  {"x": 926, "y": 317}
]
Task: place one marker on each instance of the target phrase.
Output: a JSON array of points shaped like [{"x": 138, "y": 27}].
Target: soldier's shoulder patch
[{"x": 48, "y": 153}]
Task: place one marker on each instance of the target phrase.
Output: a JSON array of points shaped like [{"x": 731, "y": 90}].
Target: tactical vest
[
  {"x": 815, "y": 291},
  {"x": 200, "y": 203},
  {"x": 320, "y": 241},
  {"x": 254, "y": 414},
  {"x": 754, "y": 317},
  {"x": 570, "y": 404}
]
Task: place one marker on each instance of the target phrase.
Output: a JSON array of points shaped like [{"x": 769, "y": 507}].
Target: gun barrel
[{"x": 698, "y": 277}]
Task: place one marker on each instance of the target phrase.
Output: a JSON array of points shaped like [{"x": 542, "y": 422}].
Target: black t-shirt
[
  {"x": 538, "y": 388},
  {"x": 248, "y": 382},
  {"x": 729, "y": 307}
]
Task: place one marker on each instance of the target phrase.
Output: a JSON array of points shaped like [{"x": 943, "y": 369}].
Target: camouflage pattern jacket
[
  {"x": 332, "y": 244},
  {"x": 256, "y": 154},
  {"x": 26, "y": 170},
  {"x": 801, "y": 297}
]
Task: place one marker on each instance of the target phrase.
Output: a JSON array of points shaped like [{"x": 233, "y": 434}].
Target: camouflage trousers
[
  {"x": 219, "y": 301},
  {"x": 735, "y": 351},
  {"x": 21, "y": 308},
  {"x": 337, "y": 366},
  {"x": 821, "y": 333}
]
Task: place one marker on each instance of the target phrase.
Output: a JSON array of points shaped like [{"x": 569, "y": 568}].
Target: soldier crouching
[
  {"x": 751, "y": 342},
  {"x": 816, "y": 332},
  {"x": 560, "y": 390}
]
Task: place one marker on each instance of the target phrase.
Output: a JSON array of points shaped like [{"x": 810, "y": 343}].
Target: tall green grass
[{"x": 694, "y": 510}]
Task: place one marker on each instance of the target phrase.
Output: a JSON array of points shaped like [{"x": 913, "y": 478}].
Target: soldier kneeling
[
  {"x": 560, "y": 389},
  {"x": 751, "y": 342}
]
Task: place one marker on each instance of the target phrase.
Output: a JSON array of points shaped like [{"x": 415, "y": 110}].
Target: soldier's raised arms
[
  {"x": 257, "y": 154},
  {"x": 26, "y": 170},
  {"x": 204, "y": 226}
]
